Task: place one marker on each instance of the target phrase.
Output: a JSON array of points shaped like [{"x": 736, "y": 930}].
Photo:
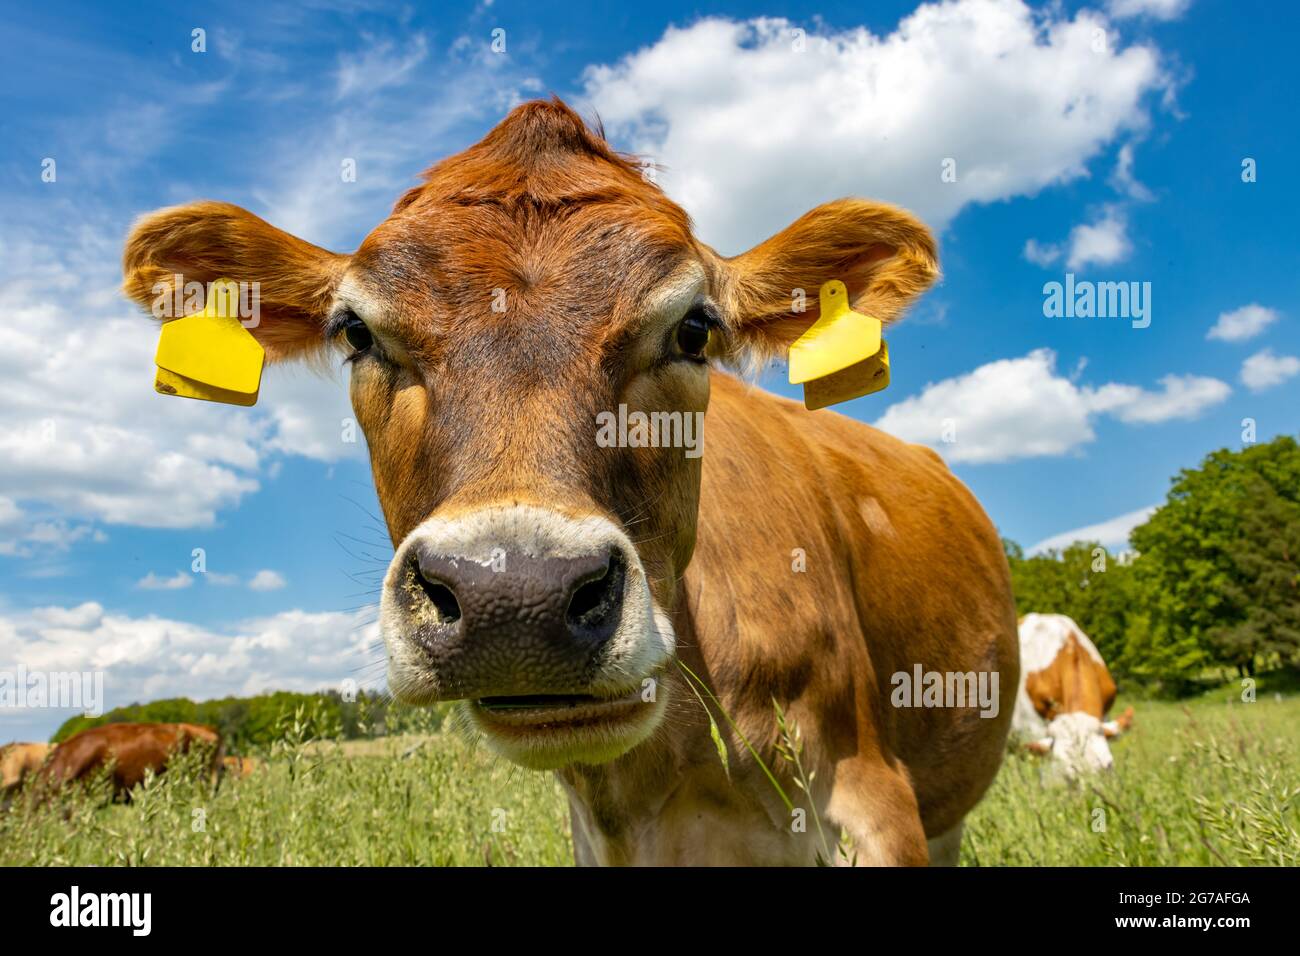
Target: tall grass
[{"x": 1212, "y": 782}]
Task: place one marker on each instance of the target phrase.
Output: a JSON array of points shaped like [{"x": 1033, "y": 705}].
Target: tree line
[{"x": 249, "y": 723}]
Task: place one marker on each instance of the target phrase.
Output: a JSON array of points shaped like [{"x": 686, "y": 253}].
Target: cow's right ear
[{"x": 203, "y": 241}]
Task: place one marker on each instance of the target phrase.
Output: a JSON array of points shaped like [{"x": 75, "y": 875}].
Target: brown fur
[
  {"x": 132, "y": 749},
  {"x": 18, "y": 762},
  {"x": 240, "y": 767},
  {"x": 1075, "y": 682},
  {"x": 465, "y": 407}
]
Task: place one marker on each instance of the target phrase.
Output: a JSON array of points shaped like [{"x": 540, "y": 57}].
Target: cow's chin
[
  {"x": 550, "y": 732},
  {"x": 541, "y": 729}
]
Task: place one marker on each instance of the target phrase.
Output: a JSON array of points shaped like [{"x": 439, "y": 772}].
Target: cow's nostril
[
  {"x": 597, "y": 603},
  {"x": 440, "y": 596}
]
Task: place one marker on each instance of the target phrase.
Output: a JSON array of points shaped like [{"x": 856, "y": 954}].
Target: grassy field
[{"x": 1210, "y": 781}]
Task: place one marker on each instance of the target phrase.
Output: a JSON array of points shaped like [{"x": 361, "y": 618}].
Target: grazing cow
[
  {"x": 131, "y": 748},
  {"x": 17, "y": 763},
  {"x": 240, "y": 767},
  {"x": 1065, "y": 692},
  {"x": 560, "y": 573}
]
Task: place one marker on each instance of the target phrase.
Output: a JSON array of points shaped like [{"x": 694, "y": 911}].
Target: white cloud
[
  {"x": 751, "y": 133},
  {"x": 1243, "y": 323},
  {"x": 1041, "y": 254},
  {"x": 10, "y": 513},
  {"x": 24, "y": 535},
  {"x": 1180, "y": 397},
  {"x": 381, "y": 63},
  {"x": 83, "y": 437},
  {"x": 1110, "y": 534},
  {"x": 152, "y": 582},
  {"x": 102, "y": 446},
  {"x": 1103, "y": 242},
  {"x": 220, "y": 580},
  {"x": 1154, "y": 9},
  {"x": 1264, "y": 370},
  {"x": 146, "y": 658},
  {"x": 1124, "y": 180},
  {"x": 1022, "y": 408},
  {"x": 267, "y": 580}
]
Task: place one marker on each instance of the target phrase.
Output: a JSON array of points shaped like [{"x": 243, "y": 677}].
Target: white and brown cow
[
  {"x": 534, "y": 285},
  {"x": 1064, "y": 695}
]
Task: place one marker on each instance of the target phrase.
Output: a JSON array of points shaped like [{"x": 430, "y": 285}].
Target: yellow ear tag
[
  {"x": 210, "y": 355},
  {"x": 842, "y": 355}
]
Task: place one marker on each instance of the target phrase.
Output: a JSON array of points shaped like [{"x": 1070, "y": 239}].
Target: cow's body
[
  {"x": 18, "y": 762},
  {"x": 902, "y": 568},
  {"x": 552, "y": 581},
  {"x": 1064, "y": 695},
  {"x": 132, "y": 749}
]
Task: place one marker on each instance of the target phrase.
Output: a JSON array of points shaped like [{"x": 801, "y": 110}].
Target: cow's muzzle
[{"x": 543, "y": 623}]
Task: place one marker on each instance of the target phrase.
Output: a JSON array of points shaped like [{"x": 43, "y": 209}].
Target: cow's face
[
  {"x": 1077, "y": 742},
  {"x": 506, "y": 329}
]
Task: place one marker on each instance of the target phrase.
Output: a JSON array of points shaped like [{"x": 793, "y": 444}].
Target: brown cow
[
  {"x": 18, "y": 762},
  {"x": 1065, "y": 693},
  {"x": 552, "y": 569},
  {"x": 240, "y": 767},
  {"x": 132, "y": 749}
]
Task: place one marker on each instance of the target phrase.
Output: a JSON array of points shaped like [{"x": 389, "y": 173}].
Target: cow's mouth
[
  {"x": 549, "y": 731},
  {"x": 539, "y": 711}
]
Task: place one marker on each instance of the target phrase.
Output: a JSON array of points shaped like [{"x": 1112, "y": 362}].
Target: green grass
[
  {"x": 1206, "y": 782},
  {"x": 443, "y": 804},
  {"x": 1212, "y": 781}
]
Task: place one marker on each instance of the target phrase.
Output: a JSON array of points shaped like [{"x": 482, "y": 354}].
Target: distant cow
[
  {"x": 1065, "y": 692},
  {"x": 17, "y": 763},
  {"x": 133, "y": 749},
  {"x": 240, "y": 767}
]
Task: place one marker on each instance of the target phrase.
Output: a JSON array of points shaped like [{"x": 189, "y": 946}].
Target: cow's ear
[
  {"x": 203, "y": 241},
  {"x": 884, "y": 255},
  {"x": 1113, "y": 728}
]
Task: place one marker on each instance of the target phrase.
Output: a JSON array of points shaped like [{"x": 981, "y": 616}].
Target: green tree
[
  {"x": 1264, "y": 595},
  {"x": 1216, "y": 556},
  {"x": 1085, "y": 582}
]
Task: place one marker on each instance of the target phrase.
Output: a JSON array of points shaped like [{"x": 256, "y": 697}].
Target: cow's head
[
  {"x": 534, "y": 282},
  {"x": 1072, "y": 694}
]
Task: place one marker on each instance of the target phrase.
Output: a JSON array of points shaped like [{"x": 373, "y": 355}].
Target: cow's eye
[
  {"x": 693, "y": 333},
  {"x": 355, "y": 331}
]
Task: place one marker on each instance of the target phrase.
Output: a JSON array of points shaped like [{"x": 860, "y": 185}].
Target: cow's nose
[{"x": 572, "y": 604}]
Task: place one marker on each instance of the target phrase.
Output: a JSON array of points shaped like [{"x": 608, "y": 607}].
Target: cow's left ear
[{"x": 884, "y": 255}]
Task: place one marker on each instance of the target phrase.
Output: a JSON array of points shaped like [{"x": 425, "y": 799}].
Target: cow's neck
[{"x": 669, "y": 800}]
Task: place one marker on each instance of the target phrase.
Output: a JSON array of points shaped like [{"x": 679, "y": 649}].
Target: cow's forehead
[
  {"x": 541, "y": 219},
  {"x": 596, "y": 261}
]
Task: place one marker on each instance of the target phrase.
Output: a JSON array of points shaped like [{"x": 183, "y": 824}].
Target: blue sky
[{"x": 1119, "y": 157}]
